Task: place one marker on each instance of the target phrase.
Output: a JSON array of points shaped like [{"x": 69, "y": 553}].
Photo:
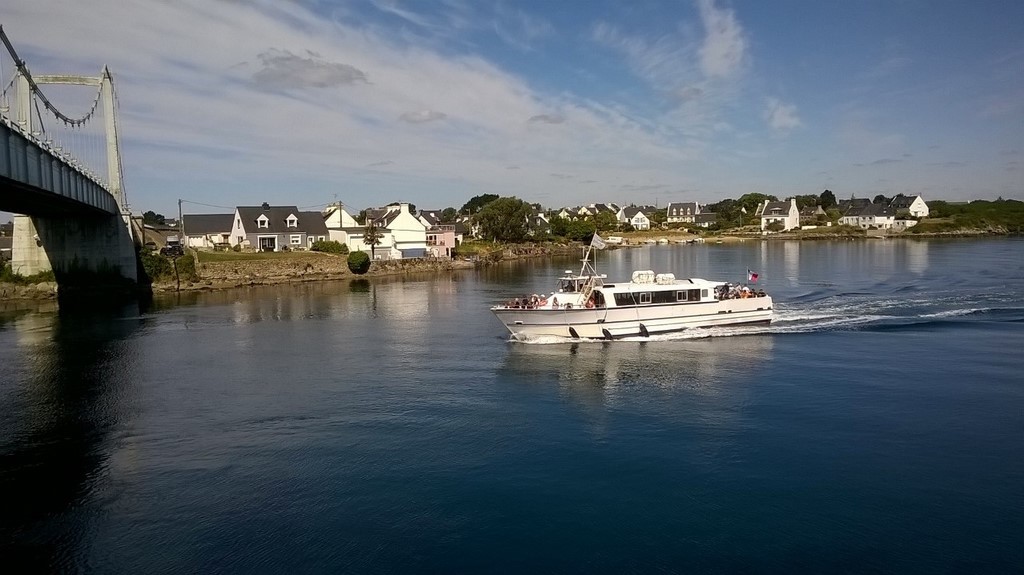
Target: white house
[
  {"x": 336, "y": 217},
  {"x": 343, "y": 228},
  {"x": 635, "y": 217},
  {"x": 682, "y": 212},
  {"x": 913, "y": 205},
  {"x": 877, "y": 216},
  {"x": 207, "y": 230},
  {"x": 783, "y": 212},
  {"x": 408, "y": 233}
]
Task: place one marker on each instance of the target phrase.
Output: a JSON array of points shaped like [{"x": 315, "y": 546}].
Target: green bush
[
  {"x": 155, "y": 266},
  {"x": 7, "y": 275},
  {"x": 329, "y": 247},
  {"x": 358, "y": 262},
  {"x": 187, "y": 268}
]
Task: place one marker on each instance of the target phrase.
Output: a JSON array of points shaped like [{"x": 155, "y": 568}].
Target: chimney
[
  {"x": 404, "y": 206},
  {"x": 266, "y": 206}
]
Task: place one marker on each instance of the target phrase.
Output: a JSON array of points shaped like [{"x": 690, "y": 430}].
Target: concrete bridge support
[{"x": 79, "y": 249}]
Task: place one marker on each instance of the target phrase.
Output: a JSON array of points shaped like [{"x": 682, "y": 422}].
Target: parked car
[{"x": 173, "y": 247}]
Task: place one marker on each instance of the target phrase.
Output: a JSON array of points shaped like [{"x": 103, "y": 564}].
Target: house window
[
  {"x": 238, "y": 223},
  {"x": 319, "y": 238},
  {"x": 241, "y": 239},
  {"x": 292, "y": 222},
  {"x": 262, "y": 222},
  {"x": 295, "y": 239}
]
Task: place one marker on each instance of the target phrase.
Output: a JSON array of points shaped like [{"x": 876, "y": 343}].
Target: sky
[{"x": 560, "y": 102}]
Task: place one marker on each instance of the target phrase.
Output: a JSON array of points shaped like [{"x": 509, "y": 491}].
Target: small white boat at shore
[{"x": 584, "y": 305}]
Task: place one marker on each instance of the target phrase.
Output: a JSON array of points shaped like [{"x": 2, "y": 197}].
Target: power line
[{"x": 207, "y": 205}]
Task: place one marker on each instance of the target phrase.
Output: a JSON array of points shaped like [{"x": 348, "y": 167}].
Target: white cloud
[
  {"x": 422, "y": 116},
  {"x": 781, "y": 117},
  {"x": 724, "y": 45}
]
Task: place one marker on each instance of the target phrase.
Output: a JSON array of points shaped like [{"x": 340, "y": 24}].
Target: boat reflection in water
[{"x": 676, "y": 376}]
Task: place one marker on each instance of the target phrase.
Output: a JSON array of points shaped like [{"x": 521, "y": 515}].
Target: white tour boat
[{"x": 584, "y": 305}]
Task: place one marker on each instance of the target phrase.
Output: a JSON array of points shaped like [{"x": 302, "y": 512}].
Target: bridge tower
[{"x": 105, "y": 83}]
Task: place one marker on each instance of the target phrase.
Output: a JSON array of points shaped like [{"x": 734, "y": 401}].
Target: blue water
[{"x": 390, "y": 426}]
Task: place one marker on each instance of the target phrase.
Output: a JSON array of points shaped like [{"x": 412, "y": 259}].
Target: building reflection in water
[{"x": 65, "y": 389}]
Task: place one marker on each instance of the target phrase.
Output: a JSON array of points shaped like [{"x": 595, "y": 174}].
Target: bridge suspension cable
[{"x": 23, "y": 69}]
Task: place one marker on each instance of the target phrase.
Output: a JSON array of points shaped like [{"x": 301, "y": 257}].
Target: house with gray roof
[
  {"x": 784, "y": 212},
  {"x": 870, "y": 216},
  {"x": 909, "y": 205},
  {"x": 207, "y": 230},
  {"x": 682, "y": 212},
  {"x": 844, "y": 205},
  {"x": 809, "y": 214},
  {"x": 637, "y": 216},
  {"x": 275, "y": 228},
  {"x": 706, "y": 219}
]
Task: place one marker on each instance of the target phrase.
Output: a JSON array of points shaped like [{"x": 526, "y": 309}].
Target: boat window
[
  {"x": 693, "y": 294},
  {"x": 680, "y": 296},
  {"x": 703, "y": 293},
  {"x": 645, "y": 297},
  {"x": 663, "y": 297}
]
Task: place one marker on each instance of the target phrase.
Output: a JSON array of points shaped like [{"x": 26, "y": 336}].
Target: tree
[
  {"x": 753, "y": 200},
  {"x": 559, "y": 226},
  {"x": 727, "y": 212},
  {"x": 580, "y": 230},
  {"x": 606, "y": 221},
  {"x": 476, "y": 203},
  {"x": 880, "y": 199},
  {"x": 412, "y": 207},
  {"x": 358, "y": 262},
  {"x": 154, "y": 219},
  {"x": 505, "y": 220},
  {"x": 659, "y": 216},
  {"x": 827, "y": 199},
  {"x": 448, "y": 215},
  {"x": 372, "y": 237},
  {"x": 806, "y": 200}
]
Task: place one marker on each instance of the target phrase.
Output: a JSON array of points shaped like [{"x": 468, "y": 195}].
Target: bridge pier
[{"x": 80, "y": 250}]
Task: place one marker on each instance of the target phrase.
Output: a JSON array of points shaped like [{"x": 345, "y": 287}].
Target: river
[{"x": 389, "y": 426}]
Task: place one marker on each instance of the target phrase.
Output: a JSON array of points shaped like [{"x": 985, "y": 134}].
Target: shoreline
[{"x": 317, "y": 267}]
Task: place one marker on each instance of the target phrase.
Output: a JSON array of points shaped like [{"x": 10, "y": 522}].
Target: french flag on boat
[{"x": 751, "y": 276}]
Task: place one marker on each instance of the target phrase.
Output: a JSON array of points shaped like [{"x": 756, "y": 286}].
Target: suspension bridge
[{"x": 61, "y": 175}]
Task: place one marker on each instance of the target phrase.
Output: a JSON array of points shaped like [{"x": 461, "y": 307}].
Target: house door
[{"x": 268, "y": 244}]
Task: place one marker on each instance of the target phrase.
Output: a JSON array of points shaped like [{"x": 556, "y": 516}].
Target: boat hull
[{"x": 619, "y": 322}]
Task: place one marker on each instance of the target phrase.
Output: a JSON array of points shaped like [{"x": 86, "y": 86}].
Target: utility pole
[{"x": 181, "y": 224}]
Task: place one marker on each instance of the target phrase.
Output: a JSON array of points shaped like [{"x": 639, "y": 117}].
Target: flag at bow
[
  {"x": 751, "y": 276},
  {"x": 597, "y": 242}
]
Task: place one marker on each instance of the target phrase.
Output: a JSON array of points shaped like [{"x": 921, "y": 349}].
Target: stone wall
[{"x": 297, "y": 267}]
